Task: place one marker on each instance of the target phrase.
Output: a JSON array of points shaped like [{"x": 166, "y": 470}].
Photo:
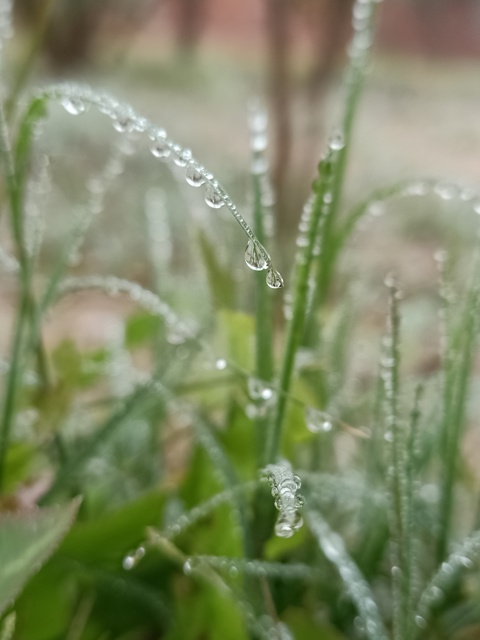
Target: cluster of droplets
[
  {"x": 98, "y": 187},
  {"x": 463, "y": 557},
  {"x": 6, "y": 26},
  {"x": 34, "y": 221},
  {"x": 263, "y": 569},
  {"x": 258, "y": 127},
  {"x": 76, "y": 99},
  {"x": 359, "y": 49},
  {"x": 447, "y": 191},
  {"x": 150, "y": 301},
  {"x": 132, "y": 558},
  {"x": 201, "y": 511},
  {"x": 159, "y": 236},
  {"x": 355, "y": 584},
  {"x": 285, "y": 488}
]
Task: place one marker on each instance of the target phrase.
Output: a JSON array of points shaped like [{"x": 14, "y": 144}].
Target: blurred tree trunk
[
  {"x": 278, "y": 14},
  {"x": 189, "y": 20}
]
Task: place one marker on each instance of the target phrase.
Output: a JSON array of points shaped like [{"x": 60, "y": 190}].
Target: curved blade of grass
[
  {"x": 305, "y": 259},
  {"x": 355, "y": 584},
  {"x": 462, "y": 558},
  {"x": 127, "y": 121}
]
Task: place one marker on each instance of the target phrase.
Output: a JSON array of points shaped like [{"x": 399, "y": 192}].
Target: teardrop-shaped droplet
[
  {"x": 274, "y": 279},
  {"x": 73, "y": 106},
  {"x": 193, "y": 177},
  {"x": 123, "y": 123},
  {"x": 254, "y": 257},
  {"x": 336, "y": 141},
  {"x": 181, "y": 157},
  {"x": 160, "y": 148},
  {"x": 318, "y": 421},
  {"x": 212, "y": 198}
]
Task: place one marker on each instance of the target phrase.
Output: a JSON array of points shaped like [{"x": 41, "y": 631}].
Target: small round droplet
[
  {"x": 73, "y": 106},
  {"x": 181, "y": 157},
  {"x": 259, "y": 390},
  {"x": 123, "y": 123},
  {"x": 187, "y": 567},
  {"x": 193, "y": 177},
  {"x": 221, "y": 364},
  {"x": 160, "y": 148},
  {"x": 336, "y": 141},
  {"x": 318, "y": 421},
  {"x": 274, "y": 279},
  {"x": 254, "y": 257},
  {"x": 133, "y": 558},
  {"x": 212, "y": 198}
]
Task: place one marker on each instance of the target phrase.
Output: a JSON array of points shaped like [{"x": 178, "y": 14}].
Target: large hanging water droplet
[
  {"x": 318, "y": 421},
  {"x": 212, "y": 198},
  {"x": 274, "y": 279},
  {"x": 73, "y": 106},
  {"x": 193, "y": 177},
  {"x": 288, "y": 523},
  {"x": 254, "y": 257}
]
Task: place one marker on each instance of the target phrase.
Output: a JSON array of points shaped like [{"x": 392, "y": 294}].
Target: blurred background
[{"x": 192, "y": 66}]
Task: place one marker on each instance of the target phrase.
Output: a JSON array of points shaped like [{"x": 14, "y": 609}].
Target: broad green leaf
[{"x": 26, "y": 541}]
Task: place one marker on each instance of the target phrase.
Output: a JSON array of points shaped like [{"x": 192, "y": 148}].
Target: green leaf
[{"x": 26, "y": 541}]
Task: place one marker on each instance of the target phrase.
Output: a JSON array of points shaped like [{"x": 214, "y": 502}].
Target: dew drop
[
  {"x": 193, "y": 177},
  {"x": 123, "y": 123},
  {"x": 73, "y": 106},
  {"x": 420, "y": 622},
  {"x": 221, "y": 364},
  {"x": 318, "y": 421},
  {"x": 160, "y": 148},
  {"x": 233, "y": 571},
  {"x": 336, "y": 141},
  {"x": 212, "y": 198},
  {"x": 181, "y": 157},
  {"x": 133, "y": 558},
  {"x": 187, "y": 567},
  {"x": 254, "y": 257},
  {"x": 274, "y": 279},
  {"x": 259, "y": 390},
  {"x": 446, "y": 191}
]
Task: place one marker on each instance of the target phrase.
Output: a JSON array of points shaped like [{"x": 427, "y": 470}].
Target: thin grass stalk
[
  {"x": 356, "y": 74},
  {"x": 411, "y": 471},
  {"x": 21, "y": 77},
  {"x": 263, "y": 298},
  {"x": 16, "y": 211},
  {"x": 455, "y": 413},
  {"x": 398, "y": 485},
  {"x": 305, "y": 260}
]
